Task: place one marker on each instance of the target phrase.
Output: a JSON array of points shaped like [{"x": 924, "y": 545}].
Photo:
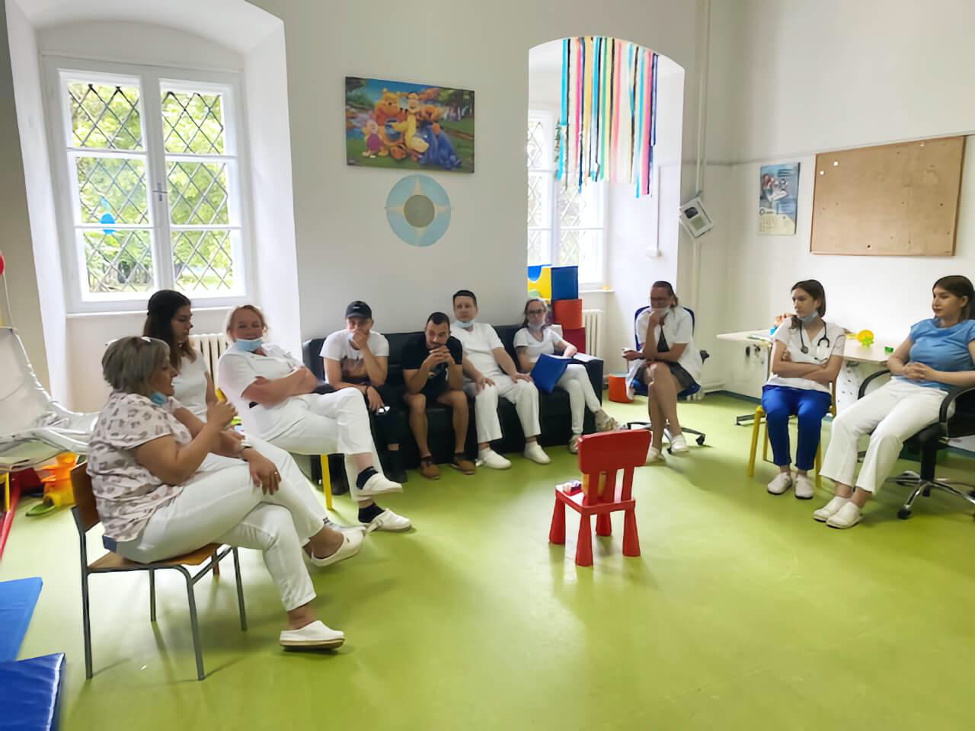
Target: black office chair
[
  {"x": 929, "y": 441},
  {"x": 641, "y": 389}
]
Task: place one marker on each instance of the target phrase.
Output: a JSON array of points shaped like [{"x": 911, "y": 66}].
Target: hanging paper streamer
[{"x": 608, "y": 113}]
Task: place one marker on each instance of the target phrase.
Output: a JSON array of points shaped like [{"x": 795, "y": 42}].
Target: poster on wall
[
  {"x": 407, "y": 126},
  {"x": 778, "y": 199}
]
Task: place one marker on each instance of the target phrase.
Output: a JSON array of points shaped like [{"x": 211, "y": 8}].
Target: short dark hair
[
  {"x": 464, "y": 293},
  {"x": 438, "y": 318},
  {"x": 160, "y": 310}
]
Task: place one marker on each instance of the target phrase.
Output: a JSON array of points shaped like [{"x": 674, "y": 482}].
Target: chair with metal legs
[
  {"x": 929, "y": 441},
  {"x": 86, "y": 517}
]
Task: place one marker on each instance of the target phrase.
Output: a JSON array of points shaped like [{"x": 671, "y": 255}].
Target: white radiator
[
  {"x": 210, "y": 345},
  {"x": 593, "y": 322}
]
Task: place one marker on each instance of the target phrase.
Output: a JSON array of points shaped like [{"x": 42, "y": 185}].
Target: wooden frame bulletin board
[{"x": 889, "y": 200}]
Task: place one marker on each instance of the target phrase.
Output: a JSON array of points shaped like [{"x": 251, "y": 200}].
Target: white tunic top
[
  {"x": 535, "y": 348},
  {"x": 677, "y": 326},
  {"x": 829, "y": 341},
  {"x": 478, "y": 344},
  {"x": 190, "y": 386},
  {"x": 236, "y": 370}
]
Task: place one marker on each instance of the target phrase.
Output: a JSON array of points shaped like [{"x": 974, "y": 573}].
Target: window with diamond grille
[
  {"x": 564, "y": 226},
  {"x": 154, "y": 174}
]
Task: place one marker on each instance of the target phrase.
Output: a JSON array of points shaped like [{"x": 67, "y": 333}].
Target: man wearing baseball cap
[{"x": 357, "y": 358}]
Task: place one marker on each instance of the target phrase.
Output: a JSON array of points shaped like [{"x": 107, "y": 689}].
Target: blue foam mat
[
  {"x": 30, "y": 692},
  {"x": 17, "y": 600}
]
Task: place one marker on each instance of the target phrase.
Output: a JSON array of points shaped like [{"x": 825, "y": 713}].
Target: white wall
[
  {"x": 88, "y": 336},
  {"x": 18, "y": 128},
  {"x": 801, "y": 78},
  {"x": 266, "y": 82},
  {"x": 339, "y": 216}
]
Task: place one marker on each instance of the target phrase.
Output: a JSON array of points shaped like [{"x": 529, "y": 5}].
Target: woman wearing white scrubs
[
  {"x": 170, "y": 319},
  {"x": 166, "y": 483},
  {"x": 536, "y": 339},
  {"x": 273, "y": 393}
]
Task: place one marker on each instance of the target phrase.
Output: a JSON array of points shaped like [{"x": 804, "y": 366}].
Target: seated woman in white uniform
[
  {"x": 668, "y": 362},
  {"x": 937, "y": 355},
  {"x": 536, "y": 339},
  {"x": 274, "y": 395},
  {"x": 170, "y": 319},
  {"x": 167, "y": 483}
]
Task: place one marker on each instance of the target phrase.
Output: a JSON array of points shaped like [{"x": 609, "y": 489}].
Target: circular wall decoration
[{"x": 418, "y": 210}]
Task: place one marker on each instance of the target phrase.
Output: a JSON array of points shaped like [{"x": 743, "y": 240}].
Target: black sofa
[{"x": 554, "y": 408}]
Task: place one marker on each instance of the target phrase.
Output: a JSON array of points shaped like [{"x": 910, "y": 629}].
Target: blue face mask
[
  {"x": 808, "y": 318},
  {"x": 157, "y": 398},
  {"x": 467, "y": 324},
  {"x": 247, "y": 346}
]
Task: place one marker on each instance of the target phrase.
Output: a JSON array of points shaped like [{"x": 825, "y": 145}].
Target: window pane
[
  {"x": 536, "y": 145},
  {"x": 104, "y": 117},
  {"x": 198, "y": 193},
  {"x": 582, "y": 248},
  {"x": 539, "y": 248},
  {"x": 580, "y": 209},
  {"x": 202, "y": 261},
  {"x": 112, "y": 190},
  {"x": 538, "y": 211},
  {"x": 118, "y": 261},
  {"x": 193, "y": 123}
]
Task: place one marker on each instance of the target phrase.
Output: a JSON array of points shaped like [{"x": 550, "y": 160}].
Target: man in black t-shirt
[{"x": 432, "y": 370}]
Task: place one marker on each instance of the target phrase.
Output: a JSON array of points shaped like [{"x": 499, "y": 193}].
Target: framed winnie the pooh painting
[{"x": 407, "y": 126}]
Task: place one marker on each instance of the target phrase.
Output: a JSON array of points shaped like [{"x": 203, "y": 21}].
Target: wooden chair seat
[{"x": 114, "y": 562}]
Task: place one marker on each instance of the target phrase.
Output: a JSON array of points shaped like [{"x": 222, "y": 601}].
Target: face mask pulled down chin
[
  {"x": 536, "y": 326},
  {"x": 808, "y": 318},
  {"x": 467, "y": 324},
  {"x": 157, "y": 398},
  {"x": 247, "y": 346}
]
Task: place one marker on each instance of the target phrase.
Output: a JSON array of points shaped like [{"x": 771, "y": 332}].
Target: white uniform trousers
[
  {"x": 581, "y": 391},
  {"x": 521, "y": 393}
]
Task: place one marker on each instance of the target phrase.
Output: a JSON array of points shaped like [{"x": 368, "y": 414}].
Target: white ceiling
[{"x": 242, "y": 25}]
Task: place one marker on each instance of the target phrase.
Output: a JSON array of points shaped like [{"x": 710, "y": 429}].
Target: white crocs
[
  {"x": 313, "y": 636},
  {"x": 352, "y": 541}
]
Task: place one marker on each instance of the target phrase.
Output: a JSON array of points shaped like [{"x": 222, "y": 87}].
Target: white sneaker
[
  {"x": 380, "y": 485},
  {"x": 493, "y": 460},
  {"x": 780, "y": 484},
  {"x": 834, "y": 505},
  {"x": 573, "y": 445},
  {"x": 350, "y": 547},
  {"x": 847, "y": 516},
  {"x": 313, "y": 636},
  {"x": 654, "y": 456},
  {"x": 390, "y": 521},
  {"x": 604, "y": 421},
  {"x": 803, "y": 488},
  {"x": 340, "y": 528},
  {"x": 677, "y": 444},
  {"x": 535, "y": 452}
]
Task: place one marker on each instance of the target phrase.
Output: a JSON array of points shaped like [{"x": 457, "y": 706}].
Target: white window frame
[
  {"x": 58, "y": 69},
  {"x": 547, "y": 117}
]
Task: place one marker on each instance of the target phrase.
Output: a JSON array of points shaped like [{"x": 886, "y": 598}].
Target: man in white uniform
[{"x": 490, "y": 373}]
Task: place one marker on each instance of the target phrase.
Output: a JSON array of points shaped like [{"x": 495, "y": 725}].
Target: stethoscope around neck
[{"x": 817, "y": 345}]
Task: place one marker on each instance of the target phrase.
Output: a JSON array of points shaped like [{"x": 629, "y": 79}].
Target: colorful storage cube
[
  {"x": 563, "y": 283},
  {"x": 538, "y": 281},
  {"x": 577, "y": 337},
  {"x": 568, "y": 313}
]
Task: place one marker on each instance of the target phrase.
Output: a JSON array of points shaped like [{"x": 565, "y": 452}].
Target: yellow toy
[
  {"x": 865, "y": 337},
  {"x": 542, "y": 286}
]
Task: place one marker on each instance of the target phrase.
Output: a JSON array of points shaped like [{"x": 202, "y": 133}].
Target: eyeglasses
[{"x": 535, "y": 312}]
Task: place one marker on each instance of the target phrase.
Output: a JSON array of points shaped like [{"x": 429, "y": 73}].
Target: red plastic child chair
[{"x": 600, "y": 457}]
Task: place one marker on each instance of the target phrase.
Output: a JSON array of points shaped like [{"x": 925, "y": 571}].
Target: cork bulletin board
[{"x": 889, "y": 200}]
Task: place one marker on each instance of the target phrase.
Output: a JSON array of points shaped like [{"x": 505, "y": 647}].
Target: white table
[{"x": 854, "y": 352}]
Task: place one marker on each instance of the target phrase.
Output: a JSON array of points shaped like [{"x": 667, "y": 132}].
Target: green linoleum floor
[{"x": 741, "y": 613}]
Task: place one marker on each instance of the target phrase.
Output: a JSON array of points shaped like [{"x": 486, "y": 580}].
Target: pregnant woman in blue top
[{"x": 937, "y": 355}]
